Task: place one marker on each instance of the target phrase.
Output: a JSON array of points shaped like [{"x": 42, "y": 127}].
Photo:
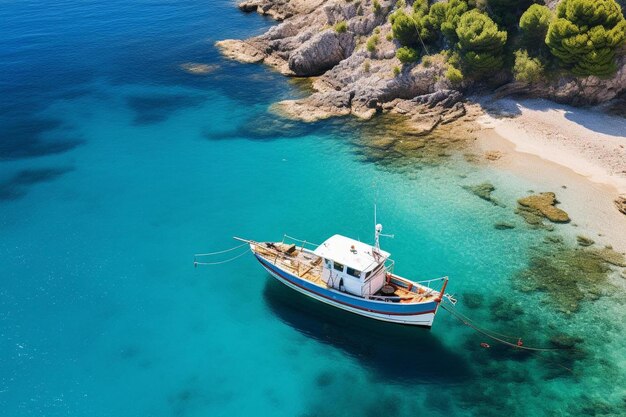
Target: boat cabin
[{"x": 352, "y": 266}]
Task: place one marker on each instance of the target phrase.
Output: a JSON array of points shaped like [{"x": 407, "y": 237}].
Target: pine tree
[
  {"x": 480, "y": 43},
  {"x": 586, "y": 35}
]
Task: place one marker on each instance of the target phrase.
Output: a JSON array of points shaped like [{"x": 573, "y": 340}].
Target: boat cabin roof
[{"x": 352, "y": 253}]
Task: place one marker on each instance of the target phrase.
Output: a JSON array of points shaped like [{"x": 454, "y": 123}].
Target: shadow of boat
[{"x": 390, "y": 351}]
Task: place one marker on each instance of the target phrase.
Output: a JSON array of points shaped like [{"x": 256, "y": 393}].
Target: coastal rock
[
  {"x": 320, "y": 53},
  {"x": 315, "y": 107},
  {"x": 544, "y": 204},
  {"x": 241, "y": 51},
  {"x": 351, "y": 78},
  {"x": 280, "y": 9}
]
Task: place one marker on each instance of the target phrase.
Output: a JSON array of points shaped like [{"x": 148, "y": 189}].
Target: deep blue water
[{"x": 116, "y": 167}]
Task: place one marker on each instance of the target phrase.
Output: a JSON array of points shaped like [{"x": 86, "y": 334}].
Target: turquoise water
[{"x": 116, "y": 167}]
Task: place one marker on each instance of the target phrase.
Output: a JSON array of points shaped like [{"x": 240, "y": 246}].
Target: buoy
[
  {"x": 519, "y": 342},
  {"x": 485, "y": 345}
]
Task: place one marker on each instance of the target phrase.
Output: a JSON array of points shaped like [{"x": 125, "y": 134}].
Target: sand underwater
[{"x": 116, "y": 166}]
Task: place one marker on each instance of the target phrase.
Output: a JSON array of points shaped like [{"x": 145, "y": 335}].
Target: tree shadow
[{"x": 391, "y": 351}]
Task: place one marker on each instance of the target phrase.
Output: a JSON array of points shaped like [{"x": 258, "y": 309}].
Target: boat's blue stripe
[{"x": 396, "y": 309}]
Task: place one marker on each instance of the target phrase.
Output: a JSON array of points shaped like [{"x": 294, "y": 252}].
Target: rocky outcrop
[
  {"x": 329, "y": 39},
  {"x": 347, "y": 46},
  {"x": 544, "y": 204},
  {"x": 320, "y": 53}
]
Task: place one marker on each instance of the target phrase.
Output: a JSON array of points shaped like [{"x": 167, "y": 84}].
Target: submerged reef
[
  {"x": 569, "y": 275},
  {"x": 484, "y": 192},
  {"x": 537, "y": 207},
  {"x": 392, "y": 140}
]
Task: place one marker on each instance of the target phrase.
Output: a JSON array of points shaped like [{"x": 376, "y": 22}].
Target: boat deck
[{"x": 307, "y": 265}]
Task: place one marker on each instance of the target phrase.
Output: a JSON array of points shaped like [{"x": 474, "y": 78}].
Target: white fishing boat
[{"x": 353, "y": 276}]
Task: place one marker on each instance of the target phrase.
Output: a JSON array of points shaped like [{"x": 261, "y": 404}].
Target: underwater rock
[
  {"x": 504, "y": 310},
  {"x": 484, "y": 191},
  {"x": 609, "y": 256},
  {"x": 584, "y": 241},
  {"x": 198, "y": 69},
  {"x": 473, "y": 299},
  {"x": 555, "y": 240},
  {"x": 564, "y": 341},
  {"x": 569, "y": 275},
  {"x": 503, "y": 226},
  {"x": 542, "y": 204}
]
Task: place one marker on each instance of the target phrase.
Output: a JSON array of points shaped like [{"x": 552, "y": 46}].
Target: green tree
[
  {"x": 445, "y": 16},
  {"x": 526, "y": 68},
  {"x": 534, "y": 25},
  {"x": 480, "y": 43},
  {"x": 586, "y": 35},
  {"x": 404, "y": 29}
]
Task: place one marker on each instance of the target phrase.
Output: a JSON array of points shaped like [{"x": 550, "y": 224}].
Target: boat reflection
[{"x": 390, "y": 351}]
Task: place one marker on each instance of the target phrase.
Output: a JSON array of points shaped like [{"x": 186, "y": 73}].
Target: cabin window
[
  {"x": 338, "y": 266},
  {"x": 353, "y": 272}
]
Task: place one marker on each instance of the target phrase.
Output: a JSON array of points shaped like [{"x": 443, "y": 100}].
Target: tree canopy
[
  {"x": 480, "y": 42},
  {"x": 534, "y": 25},
  {"x": 586, "y": 34}
]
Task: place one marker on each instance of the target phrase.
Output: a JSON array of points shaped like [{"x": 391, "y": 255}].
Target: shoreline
[
  {"x": 588, "y": 142},
  {"x": 535, "y": 145}
]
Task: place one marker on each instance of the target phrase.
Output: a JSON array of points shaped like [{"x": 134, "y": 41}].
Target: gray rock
[{"x": 320, "y": 53}]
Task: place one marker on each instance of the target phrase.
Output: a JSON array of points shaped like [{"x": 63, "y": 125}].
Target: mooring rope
[
  {"x": 196, "y": 263},
  {"x": 487, "y": 333},
  {"x": 221, "y": 251}
]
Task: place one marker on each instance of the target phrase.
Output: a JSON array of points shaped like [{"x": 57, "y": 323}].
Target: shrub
[
  {"x": 341, "y": 27},
  {"x": 396, "y": 71},
  {"x": 454, "y": 75},
  {"x": 480, "y": 43},
  {"x": 534, "y": 25},
  {"x": 366, "y": 66},
  {"x": 526, "y": 68},
  {"x": 372, "y": 42},
  {"x": 586, "y": 34},
  {"x": 403, "y": 28},
  {"x": 407, "y": 55},
  {"x": 376, "y": 6},
  {"x": 389, "y": 36}
]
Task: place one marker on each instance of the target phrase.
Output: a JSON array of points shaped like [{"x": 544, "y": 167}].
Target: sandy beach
[
  {"x": 587, "y": 141},
  {"x": 578, "y": 153}
]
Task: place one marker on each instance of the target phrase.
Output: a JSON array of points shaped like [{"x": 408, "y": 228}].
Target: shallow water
[{"x": 116, "y": 167}]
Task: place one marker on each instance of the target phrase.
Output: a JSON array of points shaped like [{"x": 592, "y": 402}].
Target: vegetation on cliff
[{"x": 582, "y": 37}]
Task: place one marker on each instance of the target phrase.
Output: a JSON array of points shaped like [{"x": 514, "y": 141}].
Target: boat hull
[{"x": 415, "y": 314}]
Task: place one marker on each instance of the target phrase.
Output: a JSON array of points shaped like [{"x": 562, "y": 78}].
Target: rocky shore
[
  {"x": 347, "y": 46},
  {"x": 347, "y": 50}
]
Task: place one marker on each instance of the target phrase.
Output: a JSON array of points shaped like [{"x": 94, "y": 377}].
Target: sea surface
[{"x": 116, "y": 166}]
